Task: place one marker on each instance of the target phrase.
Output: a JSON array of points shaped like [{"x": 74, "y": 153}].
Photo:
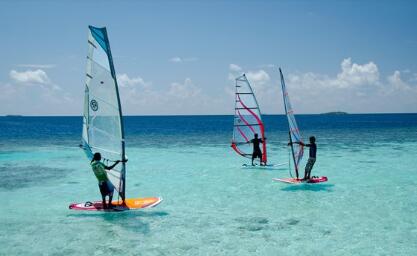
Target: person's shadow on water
[
  {"x": 309, "y": 187},
  {"x": 129, "y": 220}
]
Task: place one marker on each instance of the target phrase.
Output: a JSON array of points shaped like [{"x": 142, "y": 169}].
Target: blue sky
[{"x": 180, "y": 57}]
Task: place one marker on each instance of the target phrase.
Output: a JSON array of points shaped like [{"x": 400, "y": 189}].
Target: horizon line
[{"x": 173, "y": 115}]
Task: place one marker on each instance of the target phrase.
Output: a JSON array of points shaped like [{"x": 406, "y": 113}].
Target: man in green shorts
[
  {"x": 312, "y": 156},
  {"x": 106, "y": 187}
]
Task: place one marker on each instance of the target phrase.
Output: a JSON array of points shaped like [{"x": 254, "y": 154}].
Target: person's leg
[
  {"x": 110, "y": 190},
  {"x": 103, "y": 194},
  {"x": 311, "y": 167},
  {"x": 306, "y": 170},
  {"x": 260, "y": 159},
  {"x": 253, "y": 158},
  {"x": 103, "y": 198},
  {"x": 110, "y": 200}
]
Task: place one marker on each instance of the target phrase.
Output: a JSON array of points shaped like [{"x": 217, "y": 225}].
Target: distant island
[
  {"x": 335, "y": 113},
  {"x": 13, "y": 115}
]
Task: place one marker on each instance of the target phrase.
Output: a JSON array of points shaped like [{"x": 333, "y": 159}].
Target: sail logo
[{"x": 94, "y": 105}]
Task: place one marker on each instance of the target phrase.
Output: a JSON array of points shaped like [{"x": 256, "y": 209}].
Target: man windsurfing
[
  {"x": 256, "y": 149},
  {"x": 312, "y": 156},
  {"x": 106, "y": 187}
]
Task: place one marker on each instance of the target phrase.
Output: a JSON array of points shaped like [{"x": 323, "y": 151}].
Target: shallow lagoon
[{"x": 211, "y": 205}]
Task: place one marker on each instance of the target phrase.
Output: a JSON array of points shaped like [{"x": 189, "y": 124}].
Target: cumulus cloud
[
  {"x": 356, "y": 88},
  {"x": 125, "y": 81},
  {"x": 354, "y": 74},
  {"x": 30, "y": 76},
  {"x": 142, "y": 97},
  {"x": 179, "y": 59},
  {"x": 258, "y": 77},
  {"x": 33, "y": 92},
  {"x": 184, "y": 90}
]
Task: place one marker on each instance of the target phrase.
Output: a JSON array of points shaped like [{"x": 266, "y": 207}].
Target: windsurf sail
[
  {"x": 103, "y": 120},
  {"x": 294, "y": 133},
  {"x": 247, "y": 120}
]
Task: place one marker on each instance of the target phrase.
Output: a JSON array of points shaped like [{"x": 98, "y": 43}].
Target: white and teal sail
[
  {"x": 294, "y": 133},
  {"x": 103, "y": 120}
]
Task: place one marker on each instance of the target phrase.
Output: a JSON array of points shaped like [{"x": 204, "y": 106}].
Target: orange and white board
[{"x": 129, "y": 204}]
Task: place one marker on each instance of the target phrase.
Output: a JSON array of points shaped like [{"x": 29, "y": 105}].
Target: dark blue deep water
[{"x": 216, "y": 129}]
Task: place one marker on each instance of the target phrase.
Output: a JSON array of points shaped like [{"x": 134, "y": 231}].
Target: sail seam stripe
[
  {"x": 92, "y": 44},
  {"x": 246, "y": 122},
  {"x": 104, "y": 101}
]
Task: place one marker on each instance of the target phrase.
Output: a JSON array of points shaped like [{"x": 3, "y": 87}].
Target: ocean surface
[{"x": 213, "y": 206}]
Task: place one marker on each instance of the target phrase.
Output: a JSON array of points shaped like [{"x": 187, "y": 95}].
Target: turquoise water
[{"x": 213, "y": 206}]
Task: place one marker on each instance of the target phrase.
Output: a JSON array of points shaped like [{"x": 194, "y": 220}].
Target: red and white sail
[{"x": 247, "y": 120}]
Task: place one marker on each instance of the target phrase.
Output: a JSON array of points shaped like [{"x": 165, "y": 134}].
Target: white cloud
[
  {"x": 259, "y": 77},
  {"x": 184, "y": 90},
  {"x": 32, "y": 92},
  {"x": 355, "y": 74},
  {"x": 142, "y": 97},
  {"x": 175, "y": 59},
  {"x": 41, "y": 66},
  {"x": 179, "y": 59},
  {"x": 356, "y": 88},
  {"x": 30, "y": 76},
  {"x": 265, "y": 90},
  {"x": 125, "y": 81},
  {"x": 234, "y": 68},
  {"x": 396, "y": 81}
]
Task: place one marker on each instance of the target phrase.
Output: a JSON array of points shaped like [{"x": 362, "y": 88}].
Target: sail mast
[
  {"x": 293, "y": 131},
  {"x": 113, "y": 74}
]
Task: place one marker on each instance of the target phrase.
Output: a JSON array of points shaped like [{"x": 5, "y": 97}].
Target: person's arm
[
  {"x": 299, "y": 143},
  {"x": 263, "y": 141},
  {"x": 115, "y": 163}
]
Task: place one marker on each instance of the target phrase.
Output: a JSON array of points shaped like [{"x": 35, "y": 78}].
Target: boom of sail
[
  {"x": 247, "y": 120},
  {"x": 103, "y": 120},
  {"x": 294, "y": 133}
]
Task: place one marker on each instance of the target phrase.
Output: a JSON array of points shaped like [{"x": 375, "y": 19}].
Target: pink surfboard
[{"x": 299, "y": 181}]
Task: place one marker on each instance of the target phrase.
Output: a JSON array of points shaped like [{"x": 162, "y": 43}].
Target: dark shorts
[
  {"x": 310, "y": 164},
  {"x": 106, "y": 188},
  {"x": 257, "y": 154}
]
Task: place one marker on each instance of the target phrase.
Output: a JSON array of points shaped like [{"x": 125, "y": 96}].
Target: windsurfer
[
  {"x": 106, "y": 187},
  {"x": 256, "y": 149},
  {"x": 312, "y": 156}
]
